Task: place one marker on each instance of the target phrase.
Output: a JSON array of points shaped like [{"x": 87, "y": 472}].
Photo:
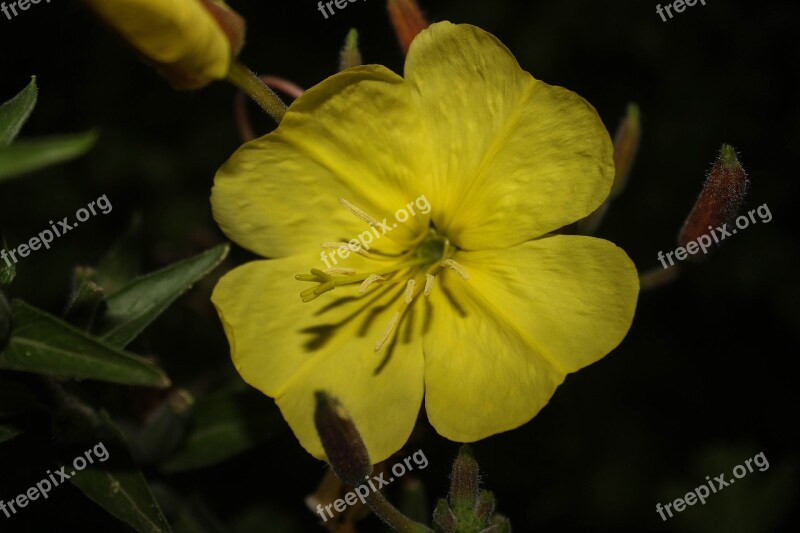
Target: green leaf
[
  {"x": 116, "y": 484},
  {"x": 29, "y": 155},
  {"x": 223, "y": 426},
  {"x": 135, "y": 306},
  {"x": 42, "y": 343},
  {"x": 8, "y": 432},
  {"x": 16, "y": 111}
]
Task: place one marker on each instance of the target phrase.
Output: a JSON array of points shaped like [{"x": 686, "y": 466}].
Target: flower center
[{"x": 416, "y": 266}]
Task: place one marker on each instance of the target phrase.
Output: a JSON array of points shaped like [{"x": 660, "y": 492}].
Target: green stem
[
  {"x": 243, "y": 78},
  {"x": 394, "y": 518}
]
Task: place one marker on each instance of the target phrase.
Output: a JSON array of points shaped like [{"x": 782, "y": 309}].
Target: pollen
[
  {"x": 388, "y": 331},
  {"x": 372, "y": 278},
  {"x": 455, "y": 267},
  {"x": 408, "y": 297},
  {"x": 429, "y": 280},
  {"x": 359, "y": 213}
]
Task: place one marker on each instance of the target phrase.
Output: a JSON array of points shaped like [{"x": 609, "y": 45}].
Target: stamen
[
  {"x": 429, "y": 279},
  {"x": 458, "y": 269},
  {"x": 409, "y": 295},
  {"x": 341, "y": 270},
  {"x": 360, "y": 213},
  {"x": 372, "y": 278},
  {"x": 352, "y": 247},
  {"x": 388, "y": 331}
]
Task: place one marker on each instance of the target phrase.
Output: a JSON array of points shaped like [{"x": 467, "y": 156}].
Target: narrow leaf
[
  {"x": 223, "y": 426},
  {"x": 113, "y": 481},
  {"x": 44, "y": 344},
  {"x": 15, "y": 112},
  {"x": 139, "y": 303},
  {"x": 29, "y": 155}
]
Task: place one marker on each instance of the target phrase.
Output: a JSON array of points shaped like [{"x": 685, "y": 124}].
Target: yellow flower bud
[{"x": 190, "y": 42}]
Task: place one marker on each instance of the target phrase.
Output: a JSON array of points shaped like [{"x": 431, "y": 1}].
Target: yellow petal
[
  {"x": 352, "y": 136},
  {"x": 500, "y": 343},
  {"x": 515, "y": 158},
  {"x": 179, "y": 36},
  {"x": 289, "y": 349}
]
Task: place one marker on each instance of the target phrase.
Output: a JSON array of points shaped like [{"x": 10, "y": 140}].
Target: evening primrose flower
[
  {"x": 478, "y": 306},
  {"x": 191, "y": 42}
]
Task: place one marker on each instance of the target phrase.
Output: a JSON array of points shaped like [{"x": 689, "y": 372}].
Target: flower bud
[
  {"x": 350, "y": 56},
  {"x": 407, "y": 19},
  {"x": 470, "y": 509},
  {"x": 720, "y": 199},
  {"x": 464, "y": 481},
  {"x": 190, "y": 42},
  {"x": 343, "y": 445},
  {"x": 626, "y": 145}
]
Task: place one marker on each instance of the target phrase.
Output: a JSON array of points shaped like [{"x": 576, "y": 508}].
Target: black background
[{"x": 707, "y": 377}]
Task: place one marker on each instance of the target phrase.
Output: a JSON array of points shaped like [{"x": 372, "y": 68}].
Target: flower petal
[
  {"x": 528, "y": 316},
  {"x": 289, "y": 349},
  {"x": 515, "y": 158},
  {"x": 352, "y": 136}
]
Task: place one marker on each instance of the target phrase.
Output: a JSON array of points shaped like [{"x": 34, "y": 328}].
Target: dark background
[{"x": 707, "y": 377}]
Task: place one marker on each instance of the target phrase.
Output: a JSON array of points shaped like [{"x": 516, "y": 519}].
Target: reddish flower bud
[
  {"x": 626, "y": 145},
  {"x": 407, "y": 19},
  {"x": 720, "y": 199},
  {"x": 343, "y": 445}
]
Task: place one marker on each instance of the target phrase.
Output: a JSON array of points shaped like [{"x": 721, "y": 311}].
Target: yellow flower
[
  {"x": 191, "y": 42},
  {"x": 500, "y": 308}
]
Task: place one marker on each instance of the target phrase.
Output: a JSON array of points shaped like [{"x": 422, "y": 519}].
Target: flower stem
[
  {"x": 394, "y": 518},
  {"x": 243, "y": 78}
]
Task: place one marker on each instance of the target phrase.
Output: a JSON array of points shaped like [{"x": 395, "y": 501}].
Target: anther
[
  {"x": 372, "y": 278},
  {"x": 455, "y": 267},
  {"x": 358, "y": 212},
  {"x": 429, "y": 279},
  {"x": 352, "y": 247},
  {"x": 409, "y": 295},
  {"x": 388, "y": 331}
]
